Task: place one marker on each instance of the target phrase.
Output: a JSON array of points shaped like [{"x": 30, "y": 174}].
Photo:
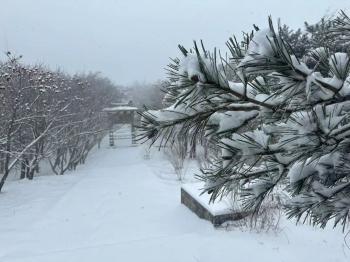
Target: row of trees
[
  {"x": 278, "y": 111},
  {"x": 49, "y": 115},
  {"x": 149, "y": 95}
]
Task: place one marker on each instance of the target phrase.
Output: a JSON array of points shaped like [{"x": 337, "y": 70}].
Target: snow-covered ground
[{"x": 121, "y": 207}]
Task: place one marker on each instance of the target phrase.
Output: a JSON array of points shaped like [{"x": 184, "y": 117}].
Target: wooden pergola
[{"x": 121, "y": 113}]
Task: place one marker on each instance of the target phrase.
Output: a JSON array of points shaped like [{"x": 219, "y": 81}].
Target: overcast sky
[{"x": 131, "y": 40}]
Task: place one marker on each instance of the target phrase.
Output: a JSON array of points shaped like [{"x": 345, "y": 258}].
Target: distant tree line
[
  {"x": 148, "y": 95},
  {"x": 49, "y": 115}
]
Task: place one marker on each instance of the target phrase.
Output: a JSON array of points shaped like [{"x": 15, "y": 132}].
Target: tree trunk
[{"x": 23, "y": 169}]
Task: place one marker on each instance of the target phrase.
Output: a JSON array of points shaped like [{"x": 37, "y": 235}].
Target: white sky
[{"x": 131, "y": 40}]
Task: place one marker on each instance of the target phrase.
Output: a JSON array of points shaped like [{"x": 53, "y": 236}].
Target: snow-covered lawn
[{"x": 120, "y": 207}]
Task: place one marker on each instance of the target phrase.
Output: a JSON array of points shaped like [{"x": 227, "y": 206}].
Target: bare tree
[{"x": 49, "y": 115}]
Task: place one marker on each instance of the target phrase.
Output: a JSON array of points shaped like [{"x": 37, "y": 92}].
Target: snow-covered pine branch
[{"x": 281, "y": 123}]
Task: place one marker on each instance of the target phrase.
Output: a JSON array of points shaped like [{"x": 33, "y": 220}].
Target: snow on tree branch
[{"x": 281, "y": 123}]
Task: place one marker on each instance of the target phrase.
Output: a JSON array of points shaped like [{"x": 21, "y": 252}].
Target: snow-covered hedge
[{"x": 49, "y": 115}]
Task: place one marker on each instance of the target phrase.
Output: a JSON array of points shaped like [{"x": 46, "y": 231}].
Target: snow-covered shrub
[
  {"x": 176, "y": 154},
  {"x": 267, "y": 219},
  {"x": 279, "y": 122},
  {"x": 49, "y": 115}
]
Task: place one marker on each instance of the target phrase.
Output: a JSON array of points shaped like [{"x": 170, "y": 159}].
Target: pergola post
[
  {"x": 111, "y": 137},
  {"x": 133, "y": 130}
]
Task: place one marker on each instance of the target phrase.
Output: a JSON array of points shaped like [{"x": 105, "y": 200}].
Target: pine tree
[
  {"x": 299, "y": 41},
  {"x": 281, "y": 125}
]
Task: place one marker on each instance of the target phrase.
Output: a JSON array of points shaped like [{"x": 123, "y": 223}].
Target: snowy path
[{"x": 116, "y": 208}]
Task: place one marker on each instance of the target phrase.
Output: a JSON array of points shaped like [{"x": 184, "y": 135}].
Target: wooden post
[
  {"x": 133, "y": 130},
  {"x": 111, "y": 137}
]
